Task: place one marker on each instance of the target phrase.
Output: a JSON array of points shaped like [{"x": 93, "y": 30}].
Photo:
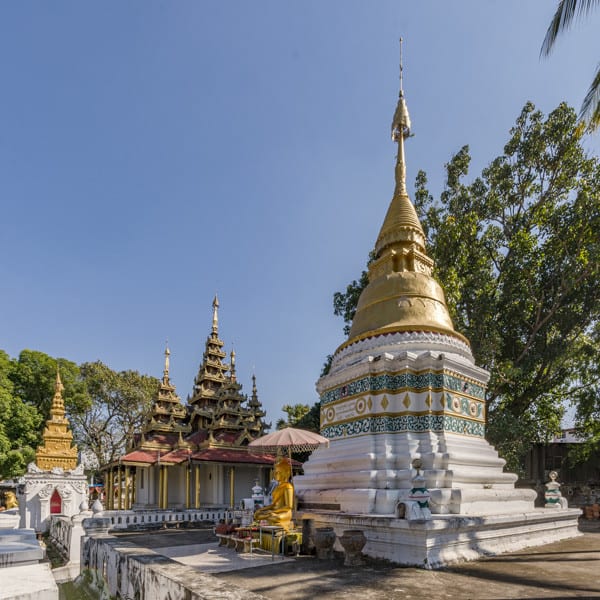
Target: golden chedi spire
[
  {"x": 401, "y": 294},
  {"x": 57, "y": 449}
]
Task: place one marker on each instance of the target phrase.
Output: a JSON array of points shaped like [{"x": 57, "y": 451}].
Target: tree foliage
[
  {"x": 312, "y": 419},
  {"x": 517, "y": 252},
  {"x": 118, "y": 404},
  {"x": 19, "y": 425},
  {"x": 34, "y": 377},
  {"x": 295, "y": 412}
]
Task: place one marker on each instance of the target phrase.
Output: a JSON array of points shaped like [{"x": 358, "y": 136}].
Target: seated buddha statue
[{"x": 279, "y": 512}]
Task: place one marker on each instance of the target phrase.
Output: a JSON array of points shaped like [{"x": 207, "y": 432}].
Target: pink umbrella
[{"x": 291, "y": 439}]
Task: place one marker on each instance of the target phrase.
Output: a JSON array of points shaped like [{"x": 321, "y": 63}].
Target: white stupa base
[
  {"x": 459, "y": 501},
  {"x": 447, "y": 539}
]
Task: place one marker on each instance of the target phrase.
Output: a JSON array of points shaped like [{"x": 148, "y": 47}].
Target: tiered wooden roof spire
[
  {"x": 218, "y": 405},
  {"x": 211, "y": 375},
  {"x": 169, "y": 415}
]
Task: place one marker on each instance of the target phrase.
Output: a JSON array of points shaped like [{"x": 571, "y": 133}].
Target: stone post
[
  {"x": 127, "y": 499},
  {"x": 308, "y": 535},
  {"x": 77, "y": 532},
  {"x": 197, "y": 488},
  {"x": 92, "y": 526}
]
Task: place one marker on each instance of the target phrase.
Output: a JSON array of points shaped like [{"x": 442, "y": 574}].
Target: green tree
[
  {"x": 19, "y": 425},
  {"x": 34, "y": 376},
  {"x": 518, "y": 254},
  {"x": 312, "y": 419},
  {"x": 566, "y": 12},
  {"x": 117, "y": 405},
  {"x": 294, "y": 412}
]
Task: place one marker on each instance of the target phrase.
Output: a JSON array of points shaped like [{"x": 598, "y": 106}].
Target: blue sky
[{"x": 154, "y": 153}]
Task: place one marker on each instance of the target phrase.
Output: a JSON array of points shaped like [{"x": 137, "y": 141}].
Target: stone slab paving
[
  {"x": 212, "y": 558},
  {"x": 566, "y": 569},
  {"x": 28, "y": 582}
]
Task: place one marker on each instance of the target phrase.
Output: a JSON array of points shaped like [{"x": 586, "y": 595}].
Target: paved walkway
[{"x": 561, "y": 570}]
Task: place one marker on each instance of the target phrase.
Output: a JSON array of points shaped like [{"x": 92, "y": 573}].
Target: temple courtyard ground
[{"x": 564, "y": 569}]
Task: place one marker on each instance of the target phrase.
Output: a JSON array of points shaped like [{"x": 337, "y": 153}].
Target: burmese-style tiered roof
[
  {"x": 57, "y": 449},
  {"x": 231, "y": 421},
  {"x": 212, "y": 374},
  {"x": 401, "y": 294},
  {"x": 168, "y": 413},
  {"x": 218, "y": 423}
]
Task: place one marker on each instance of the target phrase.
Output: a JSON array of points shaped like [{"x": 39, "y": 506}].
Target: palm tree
[{"x": 566, "y": 12}]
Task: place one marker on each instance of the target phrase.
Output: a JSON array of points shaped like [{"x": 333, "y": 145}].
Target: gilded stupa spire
[
  {"x": 401, "y": 295},
  {"x": 57, "y": 449},
  {"x": 58, "y": 404}
]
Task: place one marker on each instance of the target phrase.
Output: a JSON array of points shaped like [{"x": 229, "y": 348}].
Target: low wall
[
  {"x": 142, "y": 519},
  {"x": 66, "y": 532},
  {"x": 120, "y": 569},
  {"x": 60, "y": 534}
]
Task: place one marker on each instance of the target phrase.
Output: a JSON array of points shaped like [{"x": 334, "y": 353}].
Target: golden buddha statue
[{"x": 279, "y": 512}]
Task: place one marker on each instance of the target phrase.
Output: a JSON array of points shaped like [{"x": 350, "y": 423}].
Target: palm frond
[
  {"x": 590, "y": 107},
  {"x": 566, "y": 12}
]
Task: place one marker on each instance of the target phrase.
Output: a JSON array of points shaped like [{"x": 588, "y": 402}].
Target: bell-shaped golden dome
[{"x": 401, "y": 294}]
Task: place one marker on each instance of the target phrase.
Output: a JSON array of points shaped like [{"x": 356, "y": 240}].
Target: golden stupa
[
  {"x": 401, "y": 294},
  {"x": 57, "y": 449}
]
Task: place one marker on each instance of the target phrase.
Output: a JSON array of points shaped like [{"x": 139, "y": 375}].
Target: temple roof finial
[
  {"x": 215, "y": 322},
  {"x": 400, "y": 131},
  {"x": 167, "y": 354},
  {"x": 401, "y": 89},
  {"x": 233, "y": 375}
]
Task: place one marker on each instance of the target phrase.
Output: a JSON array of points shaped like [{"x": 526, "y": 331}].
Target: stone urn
[
  {"x": 324, "y": 540},
  {"x": 353, "y": 541},
  {"x": 308, "y": 536}
]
